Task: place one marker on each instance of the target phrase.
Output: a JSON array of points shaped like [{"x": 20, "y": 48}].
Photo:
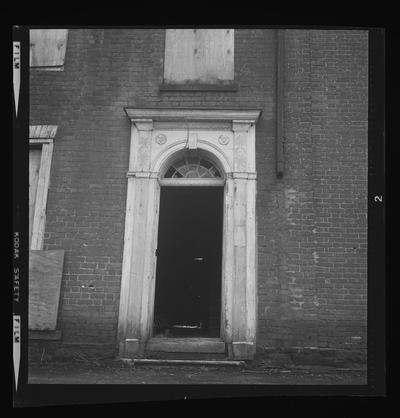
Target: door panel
[{"x": 188, "y": 279}]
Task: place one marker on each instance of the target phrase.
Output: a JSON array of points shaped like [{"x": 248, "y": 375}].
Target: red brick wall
[{"x": 311, "y": 223}]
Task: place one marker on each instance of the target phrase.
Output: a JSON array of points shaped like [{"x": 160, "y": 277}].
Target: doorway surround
[{"x": 227, "y": 137}]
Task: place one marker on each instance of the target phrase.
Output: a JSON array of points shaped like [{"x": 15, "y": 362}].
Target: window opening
[{"x": 192, "y": 167}]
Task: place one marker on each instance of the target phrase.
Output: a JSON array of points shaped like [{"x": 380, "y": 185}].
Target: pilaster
[{"x": 148, "y": 158}]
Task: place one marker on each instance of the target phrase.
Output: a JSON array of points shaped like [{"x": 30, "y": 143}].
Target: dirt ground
[{"x": 117, "y": 372}]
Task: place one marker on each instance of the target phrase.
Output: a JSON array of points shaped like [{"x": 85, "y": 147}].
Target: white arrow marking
[
  {"x": 16, "y": 72},
  {"x": 16, "y": 346}
]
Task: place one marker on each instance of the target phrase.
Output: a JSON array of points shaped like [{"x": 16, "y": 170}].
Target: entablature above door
[{"x": 226, "y": 134}]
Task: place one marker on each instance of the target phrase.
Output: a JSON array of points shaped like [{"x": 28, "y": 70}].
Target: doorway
[{"x": 189, "y": 253}]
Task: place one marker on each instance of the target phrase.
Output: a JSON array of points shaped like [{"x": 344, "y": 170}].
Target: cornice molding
[
  {"x": 42, "y": 131},
  {"x": 246, "y": 115}
]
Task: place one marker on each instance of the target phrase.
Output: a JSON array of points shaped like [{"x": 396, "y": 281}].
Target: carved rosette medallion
[
  {"x": 223, "y": 139},
  {"x": 161, "y": 139}
]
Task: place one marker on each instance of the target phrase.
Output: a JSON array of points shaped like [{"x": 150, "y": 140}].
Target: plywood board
[
  {"x": 34, "y": 166},
  {"x": 45, "y": 272},
  {"x": 199, "y": 55},
  {"x": 47, "y": 47},
  {"x": 39, "y": 216}
]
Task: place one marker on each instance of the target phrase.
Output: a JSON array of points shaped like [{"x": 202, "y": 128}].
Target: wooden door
[{"x": 188, "y": 278}]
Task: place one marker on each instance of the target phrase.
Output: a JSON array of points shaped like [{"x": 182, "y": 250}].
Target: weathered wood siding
[
  {"x": 193, "y": 55},
  {"x": 47, "y": 47}
]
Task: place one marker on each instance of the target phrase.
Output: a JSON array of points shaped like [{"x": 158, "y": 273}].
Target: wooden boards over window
[
  {"x": 40, "y": 155},
  {"x": 45, "y": 266},
  {"x": 47, "y": 47},
  {"x": 34, "y": 167},
  {"x": 199, "y": 56}
]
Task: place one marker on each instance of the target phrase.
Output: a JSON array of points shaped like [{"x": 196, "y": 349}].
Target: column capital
[
  {"x": 142, "y": 174},
  {"x": 241, "y": 175},
  {"x": 143, "y": 124},
  {"x": 241, "y": 125}
]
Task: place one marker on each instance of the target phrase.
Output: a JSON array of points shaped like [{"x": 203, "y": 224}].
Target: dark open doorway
[{"x": 188, "y": 276}]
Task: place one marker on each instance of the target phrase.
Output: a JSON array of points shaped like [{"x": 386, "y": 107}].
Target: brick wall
[
  {"x": 311, "y": 223},
  {"x": 313, "y": 255}
]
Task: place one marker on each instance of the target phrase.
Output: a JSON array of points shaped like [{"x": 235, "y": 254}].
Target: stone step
[
  {"x": 186, "y": 345},
  {"x": 185, "y": 356}
]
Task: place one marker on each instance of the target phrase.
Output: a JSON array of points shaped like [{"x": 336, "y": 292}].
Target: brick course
[{"x": 312, "y": 223}]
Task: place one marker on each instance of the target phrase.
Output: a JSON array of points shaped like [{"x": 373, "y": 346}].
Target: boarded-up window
[
  {"x": 34, "y": 167},
  {"x": 199, "y": 55},
  {"x": 40, "y": 154},
  {"x": 47, "y": 47}
]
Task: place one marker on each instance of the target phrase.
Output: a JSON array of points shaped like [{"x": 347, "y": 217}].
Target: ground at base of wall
[
  {"x": 311, "y": 356},
  {"x": 265, "y": 357},
  {"x": 117, "y": 372}
]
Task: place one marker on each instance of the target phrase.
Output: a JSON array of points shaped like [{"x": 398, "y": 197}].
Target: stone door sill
[
  {"x": 182, "y": 362},
  {"x": 186, "y": 345}
]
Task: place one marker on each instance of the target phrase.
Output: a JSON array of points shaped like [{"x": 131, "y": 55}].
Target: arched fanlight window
[{"x": 192, "y": 167}]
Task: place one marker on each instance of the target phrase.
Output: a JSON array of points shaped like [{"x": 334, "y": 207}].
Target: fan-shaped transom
[{"x": 192, "y": 167}]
